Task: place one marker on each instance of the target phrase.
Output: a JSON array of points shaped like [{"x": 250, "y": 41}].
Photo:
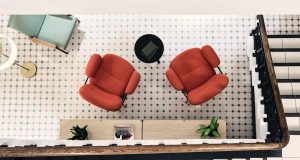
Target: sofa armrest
[
  {"x": 39, "y": 41},
  {"x": 211, "y": 56},
  {"x": 174, "y": 79},
  {"x": 133, "y": 82},
  {"x": 93, "y": 65}
]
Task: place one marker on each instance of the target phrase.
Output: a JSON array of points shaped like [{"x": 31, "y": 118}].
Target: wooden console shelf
[
  {"x": 177, "y": 129},
  {"x": 147, "y": 129}
]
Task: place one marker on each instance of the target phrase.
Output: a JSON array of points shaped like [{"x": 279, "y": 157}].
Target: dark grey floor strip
[
  {"x": 284, "y": 49},
  {"x": 292, "y": 114},
  {"x": 284, "y": 36},
  {"x": 294, "y": 132},
  {"x": 286, "y": 64},
  {"x": 290, "y": 96},
  {"x": 288, "y": 80}
]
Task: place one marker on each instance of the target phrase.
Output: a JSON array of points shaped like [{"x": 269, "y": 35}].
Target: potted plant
[
  {"x": 79, "y": 133},
  {"x": 124, "y": 132},
  {"x": 211, "y": 130}
]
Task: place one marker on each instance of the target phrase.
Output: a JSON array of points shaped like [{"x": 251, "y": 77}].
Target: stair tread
[
  {"x": 290, "y": 96},
  {"x": 292, "y": 114}
]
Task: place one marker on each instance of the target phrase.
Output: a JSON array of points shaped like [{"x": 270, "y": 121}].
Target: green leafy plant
[
  {"x": 79, "y": 133},
  {"x": 211, "y": 130}
]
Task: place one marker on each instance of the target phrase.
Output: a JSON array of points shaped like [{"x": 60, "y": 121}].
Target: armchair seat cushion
[
  {"x": 100, "y": 98},
  {"x": 57, "y": 30},
  {"x": 209, "y": 89},
  {"x": 113, "y": 74},
  {"x": 191, "y": 64}
]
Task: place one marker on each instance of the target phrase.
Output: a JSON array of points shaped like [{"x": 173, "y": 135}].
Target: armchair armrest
[
  {"x": 174, "y": 80},
  {"x": 39, "y": 41},
  {"x": 133, "y": 82},
  {"x": 93, "y": 65},
  {"x": 211, "y": 56}
]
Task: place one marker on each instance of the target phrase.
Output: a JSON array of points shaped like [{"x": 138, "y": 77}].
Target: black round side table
[{"x": 149, "y": 48}]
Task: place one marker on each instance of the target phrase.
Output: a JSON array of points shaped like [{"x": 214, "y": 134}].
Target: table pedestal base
[{"x": 30, "y": 70}]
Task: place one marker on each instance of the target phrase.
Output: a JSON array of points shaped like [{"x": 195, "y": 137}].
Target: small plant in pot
[
  {"x": 79, "y": 133},
  {"x": 211, "y": 130},
  {"x": 123, "y": 134}
]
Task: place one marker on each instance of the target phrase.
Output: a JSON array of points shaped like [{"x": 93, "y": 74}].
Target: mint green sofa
[{"x": 52, "y": 30}]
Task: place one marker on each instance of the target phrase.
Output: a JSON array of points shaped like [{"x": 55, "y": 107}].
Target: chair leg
[
  {"x": 86, "y": 80},
  {"x": 66, "y": 52},
  {"x": 220, "y": 70},
  {"x": 185, "y": 95},
  {"x": 123, "y": 99},
  {"x": 69, "y": 15}
]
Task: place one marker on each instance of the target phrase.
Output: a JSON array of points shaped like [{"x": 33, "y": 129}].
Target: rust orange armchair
[
  {"x": 110, "y": 79},
  {"x": 192, "y": 72}
]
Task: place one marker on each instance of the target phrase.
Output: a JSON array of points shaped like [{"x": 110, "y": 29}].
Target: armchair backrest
[
  {"x": 193, "y": 68},
  {"x": 113, "y": 74},
  {"x": 29, "y": 25}
]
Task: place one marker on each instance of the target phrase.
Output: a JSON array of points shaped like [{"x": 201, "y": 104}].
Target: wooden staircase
[{"x": 285, "y": 51}]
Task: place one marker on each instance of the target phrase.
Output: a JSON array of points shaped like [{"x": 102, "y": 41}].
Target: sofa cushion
[
  {"x": 113, "y": 74},
  {"x": 100, "y": 98},
  {"x": 192, "y": 68},
  {"x": 57, "y": 30}
]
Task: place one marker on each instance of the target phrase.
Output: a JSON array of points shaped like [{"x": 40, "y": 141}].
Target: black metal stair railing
[{"x": 266, "y": 88}]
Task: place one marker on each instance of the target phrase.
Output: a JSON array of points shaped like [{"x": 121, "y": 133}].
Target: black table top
[{"x": 149, "y": 48}]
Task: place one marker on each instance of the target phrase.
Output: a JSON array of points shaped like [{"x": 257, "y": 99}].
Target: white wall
[{"x": 152, "y": 6}]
